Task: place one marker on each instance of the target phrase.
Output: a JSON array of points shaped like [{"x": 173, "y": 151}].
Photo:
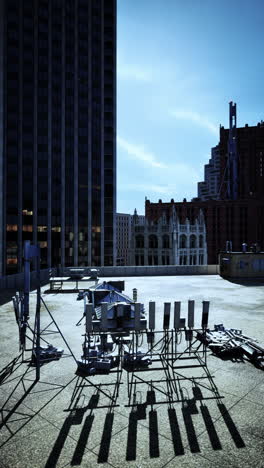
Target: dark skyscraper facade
[
  {"x": 58, "y": 131},
  {"x": 242, "y": 174}
]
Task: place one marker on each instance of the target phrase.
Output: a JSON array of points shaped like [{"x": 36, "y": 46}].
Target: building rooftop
[{"x": 62, "y": 421}]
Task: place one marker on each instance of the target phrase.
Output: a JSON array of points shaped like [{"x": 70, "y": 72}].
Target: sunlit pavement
[{"x": 43, "y": 429}]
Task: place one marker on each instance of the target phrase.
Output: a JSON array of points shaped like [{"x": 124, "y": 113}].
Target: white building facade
[{"x": 167, "y": 242}]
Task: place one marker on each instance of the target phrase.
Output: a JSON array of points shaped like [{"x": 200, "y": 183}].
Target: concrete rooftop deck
[{"x": 40, "y": 431}]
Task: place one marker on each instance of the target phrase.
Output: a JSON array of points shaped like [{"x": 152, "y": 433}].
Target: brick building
[
  {"x": 243, "y": 168},
  {"x": 239, "y": 221},
  {"x": 238, "y": 214}
]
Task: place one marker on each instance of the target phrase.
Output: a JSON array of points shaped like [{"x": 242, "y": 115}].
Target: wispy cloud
[
  {"x": 184, "y": 172},
  {"x": 140, "y": 153},
  {"x": 176, "y": 181},
  {"x": 130, "y": 71},
  {"x": 145, "y": 188},
  {"x": 196, "y": 118},
  {"x": 133, "y": 72}
]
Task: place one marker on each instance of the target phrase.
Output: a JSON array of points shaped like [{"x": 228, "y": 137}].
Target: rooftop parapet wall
[
  {"x": 153, "y": 270},
  {"x": 241, "y": 265},
  {"x": 17, "y": 280}
]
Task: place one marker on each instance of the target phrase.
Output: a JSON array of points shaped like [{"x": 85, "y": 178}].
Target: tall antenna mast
[{"x": 232, "y": 159}]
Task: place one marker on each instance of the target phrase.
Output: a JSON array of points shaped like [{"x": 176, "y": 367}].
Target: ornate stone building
[{"x": 165, "y": 241}]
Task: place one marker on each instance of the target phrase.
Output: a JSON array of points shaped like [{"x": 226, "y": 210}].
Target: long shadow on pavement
[
  {"x": 24, "y": 383},
  {"x": 188, "y": 409},
  {"x": 75, "y": 417}
]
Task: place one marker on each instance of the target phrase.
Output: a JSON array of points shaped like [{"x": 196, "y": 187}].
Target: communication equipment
[
  {"x": 182, "y": 322},
  {"x": 104, "y": 310},
  {"x": 120, "y": 317},
  {"x": 88, "y": 316},
  {"x": 190, "y": 314},
  {"x": 152, "y": 315},
  {"x": 47, "y": 353},
  {"x": 137, "y": 316},
  {"x": 94, "y": 272},
  {"x": 95, "y": 362},
  {"x": 117, "y": 285},
  {"x": 120, "y": 310},
  {"x": 188, "y": 334},
  {"x": 166, "y": 319},
  {"x": 136, "y": 360},
  {"x": 205, "y": 314},
  {"x": 76, "y": 273},
  {"x": 177, "y": 312}
]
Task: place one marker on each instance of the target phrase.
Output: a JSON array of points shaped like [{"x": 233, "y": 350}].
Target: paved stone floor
[{"x": 61, "y": 422}]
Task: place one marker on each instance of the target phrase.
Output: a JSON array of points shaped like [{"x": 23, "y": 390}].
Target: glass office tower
[{"x": 58, "y": 131}]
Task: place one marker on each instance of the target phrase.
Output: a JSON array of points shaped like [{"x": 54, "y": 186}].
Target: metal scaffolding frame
[{"x": 138, "y": 348}]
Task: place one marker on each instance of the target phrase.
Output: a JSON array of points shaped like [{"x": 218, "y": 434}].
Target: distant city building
[
  {"x": 237, "y": 221},
  {"x": 236, "y": 215},
  {"x": 123, "y": 236},
  {"x": 166, "y": 239},
  {"x": 231, "y": 200},
  {"x": 209, "y": 188},
  {"x": 241, "y": 160},
  {"x": 57, "y": 131},
  {"x": 236, "y": 168}
]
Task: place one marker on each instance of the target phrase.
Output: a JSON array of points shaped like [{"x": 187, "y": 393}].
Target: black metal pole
[{"x": 38, "y": 305}]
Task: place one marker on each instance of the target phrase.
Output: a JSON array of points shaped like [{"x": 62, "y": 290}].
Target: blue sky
[{"x": 179, "y": 63}]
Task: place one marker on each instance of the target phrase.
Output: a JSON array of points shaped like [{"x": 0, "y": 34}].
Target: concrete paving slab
[
  {"x": 238, "y": 447},
  {"x": 242, "y": 380},
  {"x": 89, "y": 460},
  {"x": 20, "y": 427},
  {"x": 248, "y": 417},
  {"x": 183, "y": 423},
  {"x": 14, "y": 420},
  {"x": 87, "y": 425},
  {"x": 47, "y": 447},
  {"x": 48, "y": 399},
  {"x": 194, "y": 460},
  {"x": 38, "y": 395},
  {"x": 256, "y": 394},
  {"x": 65, "y": 439},
  {"x": 136, "y": 446}
]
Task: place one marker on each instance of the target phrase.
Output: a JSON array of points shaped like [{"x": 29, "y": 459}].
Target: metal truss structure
[
  {"x": 156, "y": 362},
  {"x": 118, "y": 339}
]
